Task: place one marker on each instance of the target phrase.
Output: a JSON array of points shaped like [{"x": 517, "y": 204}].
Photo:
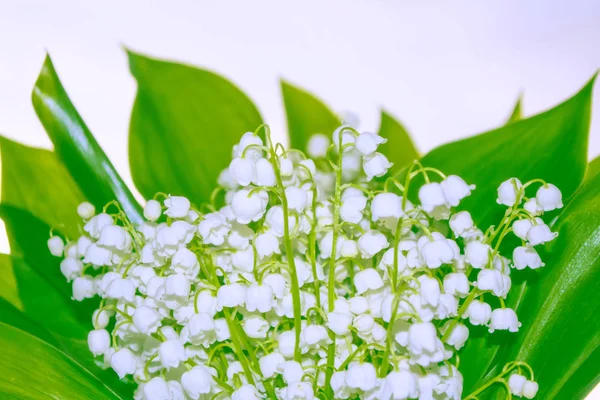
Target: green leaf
[
  {"x": 306, "y": 115},
  {"x": 76, "y": 146},
  {"x": 33, "y": 369},
  {"x": 560, "y": 310},
  {"x": 12, "y": 316},
  {"x": 40, "y": 300},
  {"x": 8, "y": 282},
  {"x": 35, "y": 180},
  {"x": 593, "y": 168},
  {"x": 27, "y": 236},
  {"x": 74, "y": 348},
  {"x": 583, "y": 381},
  {"x": 399, "y": 147},
  {"x": 517, "y": 112},
  {"x": 551, "y": 146},
  {"x": 184, "y": 124}
]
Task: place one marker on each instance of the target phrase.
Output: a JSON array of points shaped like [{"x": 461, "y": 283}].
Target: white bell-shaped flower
[
  {"x": 352, "y": 208},
  {"x": 171, "y": 353},
  {"x": 540, "y": 234},
  {"x": 56, "y": 246},
  {"x": 200, "y": 330},
  {"x": 549, "y": 197},
  {"x": 478, "y": 254},
  {"x": 364, "y": 324},
  {"x": 456, "y": 284},
  {"x": 361, "y": 376},
  {"x": 265, "y": 174},
  {"x": 339, "y": 386},
  {"x": 99, "y": 341},
  {"x": 152, "y": 210},
  {"x": 86, "y": 210},
  {"x": 242, "y": 171},
  {"x": 458, "y": 335},
  {"x": 296, "y": 391},
  {"x": 177, "y": 206},
  {"x": 156, "y": 389},
  {"x": 526, "y": 256},
  {"x": 516, "y": 383},
  {"x": 71, "y": 268},
  {"x": 367, "y": 279},
  {"x": 276, "y": 223},
  {"x": 98, "y": 256},
  {"x": 422, "y": 337},
  {"x": 121, "y": 289},
  {"x": 259, "y": 298},
  {"x": 367, "y": 143},
  {"x": 114, "y": 237},
  {"x": 247, "y": 392},
  {"x": 376, "y": 165},
  {"x": 520, "y": 228},
  {"x": 530, "y": 389},
  {"x": 124, "y": 362},
  {"x": 386, "y": 207},
  {"x": 455, "y": 189},
  {"x": 296, "y": 198},
  {"x": 248, "y": 146},
  {"x": 256, "y": 327},
  {"x": 317, "y": 145},
  {"x": 214, "y": 228},
  {"x": 461, "y": 223},
  {"x": 231, "y": 295},
  {"x": 270, "y": 364},
  {"x": 479, "y": 313},
  {"x": 313, "y": 336},
  {"x": 198, "y": 381},
  {"x": 508, "y": 192},
  {"x": 436, "y": 250},
  {"x": 504, "y": 319},
  {"x": 433, "y": 200},
  {"x": 248, "y": 206},
  {"x": 371, "y": 243},
  {"x": 96, "y": 223},
  {"x": 532, "y": 207},
  {"x": 494, "y": 281},
  {"x": 146, "y": 319},
  {"x": 177, "y": 285},
  {"x": 339, "y": 323},
  {"x": 429, "y": 291},
  {"x": 399, "y": 385},
  {"x": 277, "y": 283},
  {"x": 266, "y": 244}
]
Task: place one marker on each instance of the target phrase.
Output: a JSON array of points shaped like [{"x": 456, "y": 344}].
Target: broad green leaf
[
  {"x": 76, "y": 147},
  {"x": 77, "y": 349},
  {"x": 560, "y": 310},
  {"x": 27, "y": 236},
  {"x": 41, "y": 299},
  {"x": 33, "y": 369},
  {"x": 583, "y": 381},
  {"x": 35, "y": 180},
  {"x": 12, "y": 316},
  {"x": 517, "y": 112},
  {"x": 184, "y": 124},
  {"x": 551, "y": 146},
  {"x": 9, "y": 289},
  {"x": 306, "y": 115},
  {"x": 399, "y": 147},
  {"x": 593, "y": 168}
]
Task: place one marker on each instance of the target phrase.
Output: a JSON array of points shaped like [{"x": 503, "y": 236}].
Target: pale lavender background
[{"x": 448, "y": 69}]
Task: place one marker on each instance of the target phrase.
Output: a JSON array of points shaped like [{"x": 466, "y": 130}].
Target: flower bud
[
  {"x": 152, "y": 210},
  {"x": 99, "y": 341},
  {"x": 56, "y": 246},
  {"x": 86, "y": 210}
]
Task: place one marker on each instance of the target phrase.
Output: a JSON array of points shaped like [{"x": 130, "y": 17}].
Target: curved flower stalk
[{"x": 306, "y": 276}]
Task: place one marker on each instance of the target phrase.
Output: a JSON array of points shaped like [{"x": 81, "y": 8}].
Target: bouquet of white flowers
[{"x": 345, "y": 266}]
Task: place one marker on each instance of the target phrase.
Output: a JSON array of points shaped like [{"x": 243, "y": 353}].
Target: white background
[{"x": 447, "y": 69}]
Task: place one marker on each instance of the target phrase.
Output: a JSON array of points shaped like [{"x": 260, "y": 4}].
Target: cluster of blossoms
[{"x": 304, "y": 278}]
